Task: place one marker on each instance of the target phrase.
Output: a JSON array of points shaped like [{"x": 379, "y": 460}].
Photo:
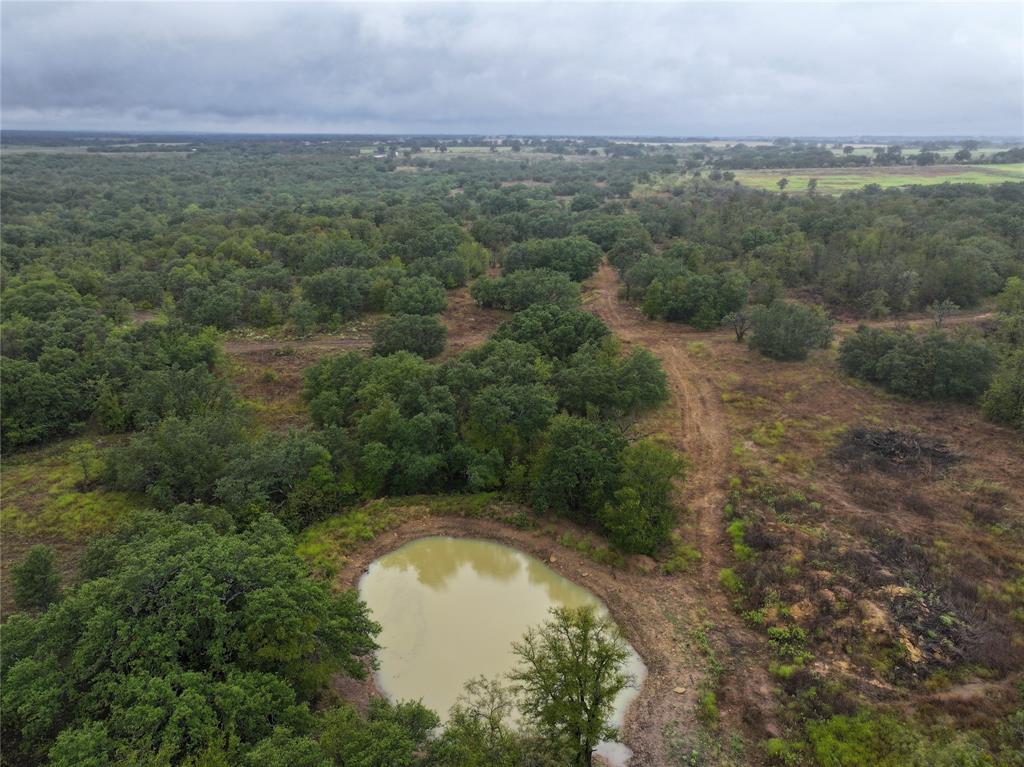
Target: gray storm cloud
[{"x": 666, "y": 69}]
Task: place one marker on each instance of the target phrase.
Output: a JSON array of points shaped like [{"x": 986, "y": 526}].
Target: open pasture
[{"x": 836, "y": 180}]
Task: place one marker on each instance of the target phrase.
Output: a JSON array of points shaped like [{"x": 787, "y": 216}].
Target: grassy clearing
[
  {"x": 45, "y": 494},
  {"x": 836, "y": 180}
]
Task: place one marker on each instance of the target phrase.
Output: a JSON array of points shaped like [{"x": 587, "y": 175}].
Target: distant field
[{"x": 835, "y": 180}]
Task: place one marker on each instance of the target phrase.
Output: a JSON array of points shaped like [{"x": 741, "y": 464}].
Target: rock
[{"x": 679, "y": 690}]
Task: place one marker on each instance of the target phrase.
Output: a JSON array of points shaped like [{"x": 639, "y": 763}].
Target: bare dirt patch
[
  {"x": 269, "y": 370},
  {"x": 468, "y": 324}
]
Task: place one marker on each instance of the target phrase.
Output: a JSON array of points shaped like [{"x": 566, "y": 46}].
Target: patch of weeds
[
  {"x": 755, "y": 618},
  {"x": 707, "y": 708},
  {"x": 682, "y": 559},
  {"x": 789, "y": 644},
  {"x": 744, "y": 401},
  {"x": 699, "y": 636},
  {"x": 768, "y": 434},
  {"x": 730, "y": 581},
  {"x": 50, "y": 492},
  {"x": 784, "y": 752},
  {"x": 326, "y": 545},
  {"x": 603, "y": 555},
  {"x": 740, "y": 549}
]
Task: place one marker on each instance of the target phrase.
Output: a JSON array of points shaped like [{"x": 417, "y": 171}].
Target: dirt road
[{"x": 696, "y": 423}]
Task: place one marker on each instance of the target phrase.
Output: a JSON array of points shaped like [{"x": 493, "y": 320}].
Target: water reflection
[
  {"x": 450, "y": 609},
  {"x": 437, "y": 560}
]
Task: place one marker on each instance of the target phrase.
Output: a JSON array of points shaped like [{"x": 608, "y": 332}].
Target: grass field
[{"x": 836, "y": 180}]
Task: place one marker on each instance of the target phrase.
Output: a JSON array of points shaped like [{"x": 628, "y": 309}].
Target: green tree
[
  {"x": 35, "y": 580},
  {"x": 576, "y": 469},
  {"x": 417, "y": 295},
  {"x": 785, "y": 331},
  {"x": 392, "y": 734},
  {"x": 1011, "y": 299},
  {"x": 414, "y": 333},
  {"x": 180, "y": 641},
  {"x": 524, "y": 288},
  {"x": 555, "y": 331},
  {"x": 569, "y": 671},
  {"x": 577, "y": 257},
  {"x": 941, "y": 310},
  {"x": 1003, "y": 401},
  {"x": 641, "y": 517},
  {"x": 739, "y": 322}
]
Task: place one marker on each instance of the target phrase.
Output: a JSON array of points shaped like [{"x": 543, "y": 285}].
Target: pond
[{"x": 449, "y": 610}]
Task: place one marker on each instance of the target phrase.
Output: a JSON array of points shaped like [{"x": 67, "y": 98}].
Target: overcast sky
[{"x": 726, "y": 69}]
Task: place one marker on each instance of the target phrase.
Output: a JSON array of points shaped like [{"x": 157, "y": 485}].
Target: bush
[
  {"x": 417, "y": 295},
  {"x": 933, "y": 365},
  {"x": 1003, "y": 402},
  {"x": 555, "y": 331},
  {"x": 788, "y": 332},
  {"x": 521, "y": 289},
  {"x": 35, "y": 579},
  {"x": 701, "y": 300},
  {"x": 414, "y": 333},
  {"x": 577, "y": 257},
  {"x": 641, "y": 517}
]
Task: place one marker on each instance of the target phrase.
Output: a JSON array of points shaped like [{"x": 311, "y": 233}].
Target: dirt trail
[
  {"x": 318, "y": 343},
  {"x": 696, "y": 422},
  {"x": 967, "y": 318}
]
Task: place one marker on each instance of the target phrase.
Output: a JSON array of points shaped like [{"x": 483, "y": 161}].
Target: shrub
[
  {"x": 701, "y": 300},
  {"x": 932, "y": 365},
  {"x": 35, "y": 579},
  {"x": 414, "y": 333},
  {"x": 788, "y": 332},
  {"x": 1003, "y": 402},
  {"x": 417, "y": 295},
  {"x": 555, "y": 331},
  {"x": 577, "y": 257},
  {"x": 521, "y": 289}
]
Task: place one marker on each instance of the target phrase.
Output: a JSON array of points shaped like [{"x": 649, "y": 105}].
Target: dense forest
[{"x": 193, "y": 634}]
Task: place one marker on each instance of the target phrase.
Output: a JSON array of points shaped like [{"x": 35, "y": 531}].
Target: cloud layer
[{"x": 725, "y": 69}]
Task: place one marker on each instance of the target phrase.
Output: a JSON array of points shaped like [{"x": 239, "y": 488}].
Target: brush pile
[{"x": 894, "y": 452}]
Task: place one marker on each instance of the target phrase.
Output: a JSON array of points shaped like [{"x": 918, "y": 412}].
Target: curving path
[{"x": 696, "y": 422}]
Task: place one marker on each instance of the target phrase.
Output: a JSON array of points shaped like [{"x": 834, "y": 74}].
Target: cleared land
[{"x": 836, "y": 180}]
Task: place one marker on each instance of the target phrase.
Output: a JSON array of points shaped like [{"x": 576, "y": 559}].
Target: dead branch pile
[{"x": 893, "y": 451}]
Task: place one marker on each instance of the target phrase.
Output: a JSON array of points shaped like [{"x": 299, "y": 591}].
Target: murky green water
[{"x": 449, "y": 610}]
